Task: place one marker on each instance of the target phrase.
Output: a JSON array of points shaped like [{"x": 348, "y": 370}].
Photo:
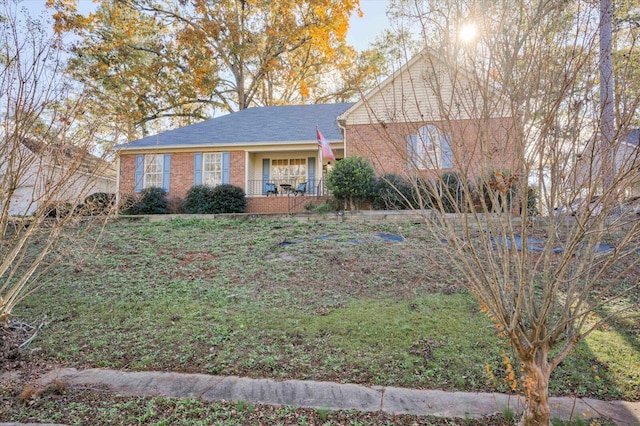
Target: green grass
[
  {"x": 334, "y": 302},
  {"x": 93, "y": 407}
]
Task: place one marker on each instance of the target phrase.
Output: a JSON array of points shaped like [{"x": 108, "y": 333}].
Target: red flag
[{"x": 324, "y": 145}]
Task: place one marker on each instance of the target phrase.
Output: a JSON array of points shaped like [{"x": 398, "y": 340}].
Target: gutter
[
  {"x": 216, "y": 146},
  {"x": 342, "y": 126}
]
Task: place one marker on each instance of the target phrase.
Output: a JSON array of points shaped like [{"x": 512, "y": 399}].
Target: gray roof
[{"x": 274, "y": 124}]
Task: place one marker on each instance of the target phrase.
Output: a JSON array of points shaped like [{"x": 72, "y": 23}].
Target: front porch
[
  {"x": 287, "y": 197},
  {"x": 285, "y": 187}
]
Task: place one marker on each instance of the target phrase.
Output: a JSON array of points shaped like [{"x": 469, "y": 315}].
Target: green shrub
[
  {"x": 59, "y": 210},
  {"x": 199, "y": 200},
  {"x": 392, "y": 192},
  {"x": 126, "y": 202},
  {"x": 151, "y": 200},
  {"x": 532, "y": 202},
  {"x": 99, "y": 203},
  {"x": 351, "y": 181},
  {"x": 422, "y": 193},
  {"x": 227, "y": 198},
  {"x": 450, "y": 192}
]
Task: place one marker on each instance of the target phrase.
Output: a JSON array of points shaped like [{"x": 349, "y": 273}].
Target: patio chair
[
  {"x": 301, "y": 189},
  {"x": 271, "y": 188}
]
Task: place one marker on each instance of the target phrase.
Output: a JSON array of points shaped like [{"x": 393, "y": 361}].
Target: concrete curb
[{"x": 334, "y": 396}]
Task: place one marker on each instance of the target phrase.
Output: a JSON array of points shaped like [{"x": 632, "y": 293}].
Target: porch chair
[
  {"x": 271, "y": 188},
  {"x": 301, "y": 189}
]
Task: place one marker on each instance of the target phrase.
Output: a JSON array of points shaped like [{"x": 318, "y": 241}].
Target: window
[
  {"x": 153, "y": 168},
  {"x": 429, "y": 149},
  {"x": 212, "y": 168},
  {"x": 292, "y": 171}
]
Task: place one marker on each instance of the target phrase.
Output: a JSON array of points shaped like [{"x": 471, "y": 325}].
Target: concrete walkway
[{"x": 334, "y": 396}]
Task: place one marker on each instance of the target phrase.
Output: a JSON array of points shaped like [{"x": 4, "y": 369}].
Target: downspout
[
  {"x": 341, "y": 125},
  {"x": 117, "y": 182}
]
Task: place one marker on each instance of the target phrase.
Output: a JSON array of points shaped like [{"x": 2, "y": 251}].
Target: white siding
[
  {"x": 40, "y": 183},
  {"x": 424, "y": 90}
]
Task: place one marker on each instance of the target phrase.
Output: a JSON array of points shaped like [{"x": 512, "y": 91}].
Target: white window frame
[
  {"x": 429, "y": 152},
  {"x": 153, "y": 170},
  {"x": 212, "y": 168}
]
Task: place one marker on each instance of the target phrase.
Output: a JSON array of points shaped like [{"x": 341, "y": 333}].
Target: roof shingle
[{"x": 274, "y": 124}]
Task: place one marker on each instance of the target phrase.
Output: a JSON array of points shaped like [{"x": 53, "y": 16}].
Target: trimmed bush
[
  {"x": 228, "y": 199},
  {"x": 451, "y": 190},
  {"x": 199, "y": 200},
  {"x": 126, "y": 202},
  {"x": 392, "y": 192},
  {"x": 59, "y": 210},
  {"x": 351, "y": 181},
  {"x": 99, "y": 203},
  {"x": 422, "y": 191},
  {"x": 151, "y": 200}
]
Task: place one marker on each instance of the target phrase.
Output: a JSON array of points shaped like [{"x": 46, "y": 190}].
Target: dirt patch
[{"x": 11, "y": 337}]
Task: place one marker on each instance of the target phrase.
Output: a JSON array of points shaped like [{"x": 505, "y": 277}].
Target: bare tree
[
  {"x": 46, "y": 168},
  {"x": 514, "y": 120}
]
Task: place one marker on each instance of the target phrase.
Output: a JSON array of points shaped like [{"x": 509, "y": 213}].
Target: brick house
[
  {"x": 428, "y": 118},
  {"x": 258, "y": 149},
  {"x": 398, "y": 126}
]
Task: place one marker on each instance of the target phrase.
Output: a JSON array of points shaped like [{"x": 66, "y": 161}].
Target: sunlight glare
[{"x": 468, "y": 33}]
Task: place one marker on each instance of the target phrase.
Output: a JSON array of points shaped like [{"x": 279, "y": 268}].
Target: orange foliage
[{"x": 149, "y": 58}]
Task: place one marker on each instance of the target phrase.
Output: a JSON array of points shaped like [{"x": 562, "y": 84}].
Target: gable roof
[
  {"x": 407, "y": 95},
  {"x": 364, "y": 101},
  {"x": 65, "y": 154},
  {"x": 258, "y": 125}
]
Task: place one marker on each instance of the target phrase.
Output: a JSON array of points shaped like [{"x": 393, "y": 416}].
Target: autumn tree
[
  {"x": 178, "y": 62},
  {"x": 519, "y": 105},
  {"x": 625, "y": 56},
  {"x": 46, "y": 169}
]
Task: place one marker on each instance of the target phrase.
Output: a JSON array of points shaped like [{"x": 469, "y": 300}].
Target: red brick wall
[
  {"x": 127, "y": 174},
  {"x": 181, "y": 172},
  {"x": 237, "y": 169},
  {"x": 280, "y": 204},
  {"x": 478, "y": 145}
]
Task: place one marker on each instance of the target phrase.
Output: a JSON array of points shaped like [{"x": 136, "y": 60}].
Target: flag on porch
[{"x": 324, "y": 145}]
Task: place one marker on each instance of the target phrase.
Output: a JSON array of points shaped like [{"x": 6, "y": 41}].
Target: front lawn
[{"x": 336, "y": 301}]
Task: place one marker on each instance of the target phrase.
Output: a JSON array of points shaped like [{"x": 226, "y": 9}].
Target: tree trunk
[
  {"x": 536, "y": 371},
  {"x": 607, "y": 116}
]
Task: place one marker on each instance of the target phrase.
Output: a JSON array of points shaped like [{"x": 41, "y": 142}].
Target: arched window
[{"x": 429, "y": 149}]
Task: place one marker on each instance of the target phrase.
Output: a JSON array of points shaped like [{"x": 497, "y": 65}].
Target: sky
[
  {"x": 361, "y": 33},
  {"x": 364, "y": 30}
]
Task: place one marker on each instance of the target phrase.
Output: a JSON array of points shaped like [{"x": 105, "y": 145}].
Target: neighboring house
[
  {"x": 398, "y": 126},
  {"x": 628, "y": 158},
  {"x": 585, "y": 173},
  {"x": 35, "y": 175}
]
